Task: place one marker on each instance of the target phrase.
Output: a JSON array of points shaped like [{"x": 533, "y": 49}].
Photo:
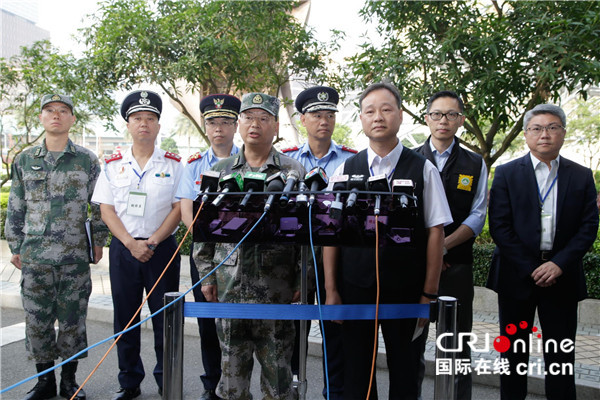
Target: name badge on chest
[{"x": 136, "y": 204}]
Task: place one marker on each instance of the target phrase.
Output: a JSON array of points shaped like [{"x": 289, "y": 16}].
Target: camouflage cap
[
  {"x": 260, "y": 100},
  {"x": 56, "y": 98}
]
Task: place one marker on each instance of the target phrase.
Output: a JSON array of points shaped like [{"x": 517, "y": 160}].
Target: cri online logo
[{"x": 502, "y": 343}]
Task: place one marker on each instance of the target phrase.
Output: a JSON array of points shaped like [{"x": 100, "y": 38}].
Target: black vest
[
  {"x": 460, "y": 177},
  {"x": 401, "y": 270}
]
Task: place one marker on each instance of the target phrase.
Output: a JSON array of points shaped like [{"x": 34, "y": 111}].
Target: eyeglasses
[
  {"x": 213, "y": 123},
  {"x": 551, "y": 129},
  {"x": 450, "y": 116},
  {"x": 249, "y": 118}
]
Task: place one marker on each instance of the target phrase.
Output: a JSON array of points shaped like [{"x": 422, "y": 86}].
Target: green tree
[
  {"x": 342, "y": 134},
  {"x": 24, "y": 79},
  {"x": 503, "y": 58},
  {"x": 583, "y": 130},
  {"x": 169, "y": 144},
  {"x": 199, "y": 47}
]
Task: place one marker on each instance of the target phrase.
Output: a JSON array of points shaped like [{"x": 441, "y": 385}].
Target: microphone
[
  {"x": 316, "y": 179},
  {"x": 209, "y": 182},
  {"x": 378, "y": 183},
  {"x": 253, "y": 182},
  {"x": 229, "y": 183},
  {"x": 406, "y": 188},
  {"x": 340, "y": 182},
  {"x": 275, "y": 183},
  {"x": 292, "y": 179},
  {"x": 356, "y": 183},
  {"x": 301, "y": 198}
]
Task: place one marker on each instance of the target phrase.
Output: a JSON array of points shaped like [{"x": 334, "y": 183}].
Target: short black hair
[
  {"x": 446, "y": 93},
  {"x": 381, "y": 85}
]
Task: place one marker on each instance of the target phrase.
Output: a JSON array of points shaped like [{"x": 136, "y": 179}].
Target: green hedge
[{"x": 482, "y": 256}]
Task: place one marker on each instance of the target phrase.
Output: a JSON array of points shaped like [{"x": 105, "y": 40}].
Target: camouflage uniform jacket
[
  {"x": 48, "y": 205},
  {"x": 264, "y": 273}
]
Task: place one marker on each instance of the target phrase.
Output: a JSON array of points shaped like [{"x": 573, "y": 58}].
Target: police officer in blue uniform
[
  {"x": 317, "y": 107},
  {"x": 136, "y": 193},
  {"x": 220, "y": 113}
]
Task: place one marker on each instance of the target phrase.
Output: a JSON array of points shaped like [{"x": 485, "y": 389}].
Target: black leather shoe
[
  {"x": 210, "y": 395},
  {"x": 126, "y": 394}
]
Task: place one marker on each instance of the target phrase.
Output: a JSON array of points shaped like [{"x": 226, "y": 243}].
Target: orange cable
[
  {"x": 140, "y": 308},
  {"x": 376, "y": 307}
]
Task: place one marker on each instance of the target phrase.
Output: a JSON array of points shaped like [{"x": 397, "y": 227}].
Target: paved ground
[{"x": 587, "y": 368}]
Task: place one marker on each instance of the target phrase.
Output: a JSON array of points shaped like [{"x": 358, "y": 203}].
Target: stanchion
[
  {"x": 173, "y": 348},
  {"x": 446, "y": 323},
  {"x": 301, "y": 384}
]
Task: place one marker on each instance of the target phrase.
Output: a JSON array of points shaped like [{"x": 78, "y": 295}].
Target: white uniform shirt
[
  {"x": 158, "y": 180},
  {"x": 435, "y": 206},
  {"x": 547, "y": 183}
]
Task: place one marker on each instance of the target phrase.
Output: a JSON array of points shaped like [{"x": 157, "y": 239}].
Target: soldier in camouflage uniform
[
  {"x": 52, "y": 185},
  {"x": 263, "y": 273}
]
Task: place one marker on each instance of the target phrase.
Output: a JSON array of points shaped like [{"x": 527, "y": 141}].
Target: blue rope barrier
[{"x": 304, "y": 311}]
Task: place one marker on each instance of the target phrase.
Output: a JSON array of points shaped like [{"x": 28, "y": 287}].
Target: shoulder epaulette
[
  {"x": 113, "y": 157},
  {"x": 194, "y": 157},
  {"x": 173, "y": 156},
  {"x": 348, "y": 149},
  {"x": 290, "y": 149}
]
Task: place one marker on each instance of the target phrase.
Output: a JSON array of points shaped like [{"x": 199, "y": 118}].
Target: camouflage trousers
[
  {"x": 55, "y": 293},
  {"x": 272, "y": 341}
]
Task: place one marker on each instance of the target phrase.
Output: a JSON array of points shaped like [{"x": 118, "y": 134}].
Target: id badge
[
  {"x": 136, "y": 204},
  {"x": 546, "y": 223}
]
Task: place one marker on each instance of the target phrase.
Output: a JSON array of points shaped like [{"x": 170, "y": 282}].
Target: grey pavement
[{"x": 587, "y": 366}]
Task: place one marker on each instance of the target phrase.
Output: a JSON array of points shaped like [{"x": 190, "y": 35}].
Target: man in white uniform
[{"x": 136, "y": 193}]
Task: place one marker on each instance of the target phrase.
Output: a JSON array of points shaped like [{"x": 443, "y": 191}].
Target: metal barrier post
[
  {"x": 301, "y": 384},
  {"x": 445, "y": 386},
  {"x": 173, "y": 347}
]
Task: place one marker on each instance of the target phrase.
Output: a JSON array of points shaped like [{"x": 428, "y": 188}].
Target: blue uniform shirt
[
  {"x": 189, "y": 186},
  {"x": 336, "y": 155}
]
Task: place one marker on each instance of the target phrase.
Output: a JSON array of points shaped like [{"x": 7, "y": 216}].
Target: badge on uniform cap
[
  {"x": 56, "y": 97},
  {"x": 218, "y": 103},
  {"x": 257, "y": 99},
  {"x": 144, "y": 98},
  {"x": 323, "y": 96}
]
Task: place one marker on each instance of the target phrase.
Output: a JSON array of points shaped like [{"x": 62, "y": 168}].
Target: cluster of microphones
[{"x": 292, "y": 188}]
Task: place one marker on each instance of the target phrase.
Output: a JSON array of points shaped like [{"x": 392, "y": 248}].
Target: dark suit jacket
[{"x": 515, "y": 226}]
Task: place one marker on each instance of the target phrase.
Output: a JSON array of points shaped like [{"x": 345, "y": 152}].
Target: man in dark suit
[{"x": 543, "y": 219}]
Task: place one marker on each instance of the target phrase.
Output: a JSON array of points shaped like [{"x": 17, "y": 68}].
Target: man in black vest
[
  {"x": 464, "y": 175},
  {"x": 407, "y": 275}
]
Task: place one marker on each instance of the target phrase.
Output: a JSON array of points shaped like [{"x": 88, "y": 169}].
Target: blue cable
[
  {"x": 139, "y": 323},
  {"x": 312, "y": 249}
]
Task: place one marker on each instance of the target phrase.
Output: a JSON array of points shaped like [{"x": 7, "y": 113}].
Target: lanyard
[
  {"x": 138, "y": 174},
  {"x": 543, "y": 199},
  {"x": 312, "y": 165}
]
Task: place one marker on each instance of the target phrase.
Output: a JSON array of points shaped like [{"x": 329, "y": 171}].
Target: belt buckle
[{"x": 545, "y": 255}]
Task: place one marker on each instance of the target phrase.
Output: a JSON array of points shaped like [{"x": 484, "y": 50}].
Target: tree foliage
[
  {"x": 503, "y": 58},
  {"x": 24, "y": 79},
  {"x": 199, "y": 47},
  {"x": 583, "y": 130},
  {"x": 169, "y": 144}
]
